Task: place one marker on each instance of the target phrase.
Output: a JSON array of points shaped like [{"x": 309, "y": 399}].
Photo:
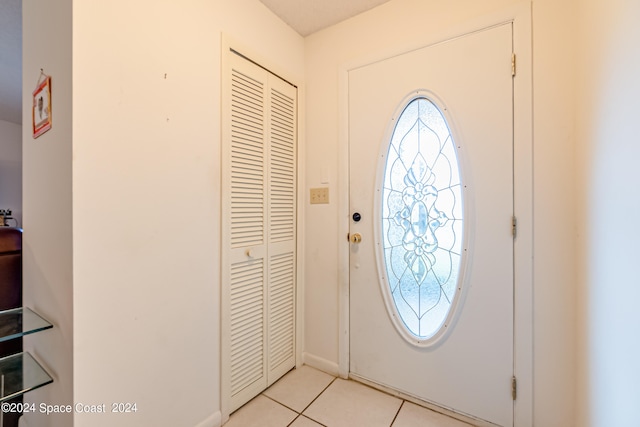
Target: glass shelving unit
[{"x": 20, "y": 373}]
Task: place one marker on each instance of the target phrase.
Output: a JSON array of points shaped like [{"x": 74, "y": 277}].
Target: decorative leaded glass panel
[{"x": 422, "y": 218}]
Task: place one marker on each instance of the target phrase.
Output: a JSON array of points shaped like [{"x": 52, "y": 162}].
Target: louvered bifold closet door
[
  {"x": 258, "y": 232},
  {"x": 244, "y": 231},
  {"x": 282, "y": 228}
]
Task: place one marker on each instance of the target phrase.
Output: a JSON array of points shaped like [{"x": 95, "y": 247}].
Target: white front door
[{"x": 461, "y": 361}]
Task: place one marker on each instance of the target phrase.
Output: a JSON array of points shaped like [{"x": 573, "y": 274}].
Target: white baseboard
[
  {"x": 321, "y": 364},
  {"x": 214, "y": 420}
]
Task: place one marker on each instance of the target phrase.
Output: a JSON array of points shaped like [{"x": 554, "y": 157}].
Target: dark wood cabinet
[{"x": 10, "y": 296}]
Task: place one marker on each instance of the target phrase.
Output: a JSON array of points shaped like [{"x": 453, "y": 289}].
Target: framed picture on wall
[{"x": 42, "y": 107}]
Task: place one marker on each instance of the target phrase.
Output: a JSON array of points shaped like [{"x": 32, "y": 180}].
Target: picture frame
[{"x": 41, "y": 111}]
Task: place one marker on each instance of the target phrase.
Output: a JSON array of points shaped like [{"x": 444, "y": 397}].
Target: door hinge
[
  {"x": 514, "y": 387},
  {"x": 513, "y": 64},
  {"x": 514, "y": 226}
]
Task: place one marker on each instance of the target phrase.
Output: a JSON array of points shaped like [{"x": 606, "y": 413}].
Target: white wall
[
  {"x": 47, "y": 203},
  {"x": 405, "y": 23},
  {"x": 11, "y": 169},
  {"x": 146, "y": 200},
  {"x": 145, "y": 175},
  {"x": 608, "y": 150}
]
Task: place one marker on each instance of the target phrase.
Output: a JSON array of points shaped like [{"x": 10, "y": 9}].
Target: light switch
[
  {"x": 319, "y": 195},
  {"x": 325, "y": 175}
]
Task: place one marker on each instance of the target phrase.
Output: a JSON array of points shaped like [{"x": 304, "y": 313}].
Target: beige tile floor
[{"x": 306, "y": 397}]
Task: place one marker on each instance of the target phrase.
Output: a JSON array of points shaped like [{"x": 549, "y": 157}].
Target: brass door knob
[{"x": 355, "y": 238}]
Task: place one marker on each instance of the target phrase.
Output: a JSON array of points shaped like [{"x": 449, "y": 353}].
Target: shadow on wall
[{"x": 610, "y": 102}]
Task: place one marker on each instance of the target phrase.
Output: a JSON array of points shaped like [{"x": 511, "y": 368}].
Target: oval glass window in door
[{"x": 422, "y": 220}]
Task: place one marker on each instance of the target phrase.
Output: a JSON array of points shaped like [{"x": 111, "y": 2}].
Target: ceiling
[
  {"x": 309, "y": 16},
  {"x": 304, "y": 16}
]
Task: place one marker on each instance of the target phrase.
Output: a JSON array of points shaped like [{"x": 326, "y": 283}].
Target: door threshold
[{"x": 424, "y": 403}]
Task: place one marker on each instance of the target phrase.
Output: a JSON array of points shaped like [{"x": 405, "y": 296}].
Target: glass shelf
[
  {"x": 19, "y": 322},
  {"x": 19, "y": 374}
]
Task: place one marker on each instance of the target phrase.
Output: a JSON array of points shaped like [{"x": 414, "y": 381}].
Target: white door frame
[
  {"x": 228, "y": 43},
  {"x": 520, "y": 16}
]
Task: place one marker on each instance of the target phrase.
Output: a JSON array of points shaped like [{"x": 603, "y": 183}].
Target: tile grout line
[
  {"x": 280, "y": 403},
  {"x": 294, "y": 420},
  {"x": 397, "y": 413},
  {"x": 299, "y": 414},
  {"x": 306, "y": 407},
  {"x": 316, "y": 398},
  {"x": 310, "y": 419}
]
